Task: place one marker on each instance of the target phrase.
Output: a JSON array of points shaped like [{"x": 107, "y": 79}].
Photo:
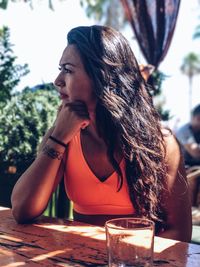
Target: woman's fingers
[{"x": 72, "y": 118}]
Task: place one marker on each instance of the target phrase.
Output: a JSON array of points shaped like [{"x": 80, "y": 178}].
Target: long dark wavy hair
[{"x": 126, "y": 117}]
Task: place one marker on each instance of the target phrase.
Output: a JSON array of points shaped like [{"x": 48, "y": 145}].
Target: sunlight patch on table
[
  {"x": 14, "y": 264},
  {"x": 50, "y": 254},
  {"x": 4, "y": 208},
  {"x": 87, "y": 231},
  {"x": 160, "y": 246},
  {"x": 10, "y": 238}
]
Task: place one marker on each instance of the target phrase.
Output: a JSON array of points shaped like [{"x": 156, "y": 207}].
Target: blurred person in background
[{"x": 189, "y": 138}]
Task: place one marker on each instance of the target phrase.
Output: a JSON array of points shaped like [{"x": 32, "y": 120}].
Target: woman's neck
[{"x": 91, "y": 130}]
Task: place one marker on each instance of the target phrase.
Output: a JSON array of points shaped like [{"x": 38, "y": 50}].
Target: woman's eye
[{"x": 65, "y": 69}]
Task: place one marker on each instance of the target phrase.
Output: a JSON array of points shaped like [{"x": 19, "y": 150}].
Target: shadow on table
[{"x": 179, "y": 254}]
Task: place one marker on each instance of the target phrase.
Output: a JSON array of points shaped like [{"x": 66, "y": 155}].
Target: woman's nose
[{"x": 59, "y": 81}]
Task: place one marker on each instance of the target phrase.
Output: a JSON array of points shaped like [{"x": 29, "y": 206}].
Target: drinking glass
[{"x": 130, "y": 242}]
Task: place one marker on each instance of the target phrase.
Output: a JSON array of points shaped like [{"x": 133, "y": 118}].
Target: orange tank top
[{"x": 90, "y": 195}]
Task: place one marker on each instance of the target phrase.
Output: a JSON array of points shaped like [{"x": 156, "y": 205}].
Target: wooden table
[{"x": 55, "y": 242}]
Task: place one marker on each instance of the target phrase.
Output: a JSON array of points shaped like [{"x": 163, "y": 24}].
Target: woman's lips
[{"x": 64, "y": 96}]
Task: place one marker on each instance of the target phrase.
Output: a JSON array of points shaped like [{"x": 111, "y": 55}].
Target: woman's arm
[
  {"x": 176, "y": 198},
  {"x": 32, "y": 191}
]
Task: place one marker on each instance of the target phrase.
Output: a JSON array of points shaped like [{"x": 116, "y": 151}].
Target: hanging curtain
[{"x": 153, "y": 22}]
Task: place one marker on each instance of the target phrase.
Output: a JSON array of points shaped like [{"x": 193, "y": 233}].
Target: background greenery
[
  {"x": 24, "y": 118},
  {"x": 23, "y": 121},
  {"x": 10, "y": 73}
]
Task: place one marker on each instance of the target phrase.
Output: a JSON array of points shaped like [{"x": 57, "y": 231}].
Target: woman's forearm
[{"x": 32, "y": 191}]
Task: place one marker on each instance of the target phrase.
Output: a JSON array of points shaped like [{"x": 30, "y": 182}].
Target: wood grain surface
[{"x": 57, "y": 242}]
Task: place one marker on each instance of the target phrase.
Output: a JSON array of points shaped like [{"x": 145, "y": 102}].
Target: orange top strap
[{"x": 90, "y": 195}]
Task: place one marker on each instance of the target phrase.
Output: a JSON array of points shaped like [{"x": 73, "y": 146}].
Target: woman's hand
[{"x": 71, "y": 118}]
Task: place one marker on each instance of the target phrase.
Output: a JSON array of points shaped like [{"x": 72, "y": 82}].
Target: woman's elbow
[
  {"x": 23, "y": 214},
  {"x": 19, "y": 218},
  {"x": 20, "y": 215}
]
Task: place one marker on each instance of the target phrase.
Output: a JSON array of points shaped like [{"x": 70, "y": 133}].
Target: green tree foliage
[
  {"x": 106, "y": 12},
  {"x": 94, "y": 8},
  {"x": 197, "y": 32},
  {"x": 190, "y": 67},
  {"x": 155, "y": 80},
  {"x": 23, "y": 122},
  {"x": 3, "y": 4},
  {"x": 24, "y": 118},
  {"x": 10, "y": 73}
]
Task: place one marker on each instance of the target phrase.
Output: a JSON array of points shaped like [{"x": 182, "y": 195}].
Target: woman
[{"x": 108, "y": 141}]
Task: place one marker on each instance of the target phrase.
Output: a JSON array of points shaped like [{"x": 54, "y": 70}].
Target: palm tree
[
  {"x": 197, "y": 32},
  {"x": 106, "y": 12},
  {"x": 190, "y": 67}
]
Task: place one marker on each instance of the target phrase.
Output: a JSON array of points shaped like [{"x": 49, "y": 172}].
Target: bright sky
[{"x": 39, "y": 37}]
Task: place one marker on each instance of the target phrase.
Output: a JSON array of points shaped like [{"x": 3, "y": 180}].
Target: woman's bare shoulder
[
  {"x": 172, "y": 147},
  {"x": 171, "y": 143},
  {"x": 174, "y": 158}
]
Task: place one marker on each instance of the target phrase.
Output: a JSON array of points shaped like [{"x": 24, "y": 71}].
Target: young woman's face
[{"x": 73, "y": 82}]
